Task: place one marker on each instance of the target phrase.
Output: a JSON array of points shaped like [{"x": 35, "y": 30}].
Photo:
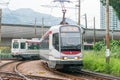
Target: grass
[
  {"x": 95, "y": 61},
  {"x": 5, "y": 56},
  {"x": 5, "y": 52}
]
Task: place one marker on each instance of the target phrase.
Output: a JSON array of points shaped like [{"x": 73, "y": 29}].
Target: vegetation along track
[
  {"x": 89, "y": 75},
  {"x": 10, "y": 71},
  {"x": 99, "y": 76},
  {"x": 83, "y": 75}
]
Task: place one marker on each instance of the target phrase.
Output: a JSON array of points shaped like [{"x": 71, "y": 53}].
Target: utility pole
[
  {"x": 94, "y": 31},
  {"x": 35, "y": 28},
  {"x": 107, "y": 33},
  {"x": 79, "y": 12},
  {"x": 85, "y": 20},
  {"x": 0, "y": 23},
  {"x": 0, "y": 30},
  {"x": 79, "y": 22},
  {"x": 42, "y": 26}
]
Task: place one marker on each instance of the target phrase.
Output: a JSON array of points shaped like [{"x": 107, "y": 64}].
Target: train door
[
  {"x": 15, "y": 46},
  {"x": 22, "y": 46},
  {"x": 56, "y": 41},
  {"x": 56, "y": 45},
  {"x": 44, "y": 47}
]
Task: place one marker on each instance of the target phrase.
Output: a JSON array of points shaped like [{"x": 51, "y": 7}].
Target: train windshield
[{"x": 70, "y": 40}]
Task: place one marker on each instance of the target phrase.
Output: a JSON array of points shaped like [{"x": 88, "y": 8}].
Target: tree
[{"x": 115, "y": 4}]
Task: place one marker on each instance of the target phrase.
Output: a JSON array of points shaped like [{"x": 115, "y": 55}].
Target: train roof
[
  {"x": 33, "y": 41},
  {"x": 55, "y": 28},
  {"x": 27, "y": 40},
  {"x": 19, "y": 39}
]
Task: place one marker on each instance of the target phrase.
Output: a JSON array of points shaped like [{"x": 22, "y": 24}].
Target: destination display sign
[{"x": 69, "y": 29}]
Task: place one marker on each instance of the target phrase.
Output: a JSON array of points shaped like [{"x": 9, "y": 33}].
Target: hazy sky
[{"x": 90, "y": 7}]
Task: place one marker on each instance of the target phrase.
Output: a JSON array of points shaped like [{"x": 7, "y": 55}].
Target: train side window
[
  {"x": 15, "y": 45},
  {"x": 30, "y": 46},
  {"x": 36, "y": 46},
  {"x": 56, "y": 41},
  {"x": 45, "y": 43},
  {"x": 33, "y": 46},
  {"x": 22, "y": 45}
]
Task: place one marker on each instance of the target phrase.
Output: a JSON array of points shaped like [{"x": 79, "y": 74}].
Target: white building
[{"x": 113, "y": 19}]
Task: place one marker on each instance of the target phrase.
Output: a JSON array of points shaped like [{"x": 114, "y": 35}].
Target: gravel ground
[
  {"x": 4, "y": 62},
  {"x": 36, "y": 68}
]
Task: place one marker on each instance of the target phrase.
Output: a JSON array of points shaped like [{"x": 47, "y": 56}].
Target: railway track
[
  {"x": 83, "y": 75},
  {"x": 99, "y": 76},
  {"x": 15, "y": 74},
  {"x": 10, "y": 76},
  {"x": 68, "y": 76},
  {"x": 89, "y": 75},
  {"x": 9, "y": 71},
  {"x": 32, "y": 77},
  {"x": 9, "y": 66}
]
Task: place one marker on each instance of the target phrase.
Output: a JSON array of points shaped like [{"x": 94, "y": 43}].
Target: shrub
[
  {"x": 99, "y": 46},
  {"x": 5, "y": 49},
  {"x": 114, "y": 47},
  {"x": 97, "y": 63}
]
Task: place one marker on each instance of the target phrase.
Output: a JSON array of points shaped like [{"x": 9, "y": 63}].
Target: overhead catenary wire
[{"x": 11, "y": 13}]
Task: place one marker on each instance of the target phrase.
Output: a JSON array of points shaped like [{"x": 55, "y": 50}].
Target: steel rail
[
  {"x": 19, "y": 73},
  {"x": 8, "y": 75},
  {"x": 69, "y": 76},
  {"x": 100, "y": 75},
  {"x": 31, "y": 77},
  {"x": 7, "y": 64}
]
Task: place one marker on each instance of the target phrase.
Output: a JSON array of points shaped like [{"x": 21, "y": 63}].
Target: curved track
[
  {"x": 89, "y": 75},
  {"x": 7, "y": 71},
  {"x": 67, "y": 75},
  {"x": 10, "y": 71},
  {"x": 83, "y": 74},
  {"x": 10, "y": 76},
  {"x": 15, "y": 71},
  {"x": 9, "y": 67},
  {"x": 99, "y": 76},
  {"x": 31, "y": 77}
]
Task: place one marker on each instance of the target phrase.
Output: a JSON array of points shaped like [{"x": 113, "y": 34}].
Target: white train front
[{"x": 61, "y": 46}]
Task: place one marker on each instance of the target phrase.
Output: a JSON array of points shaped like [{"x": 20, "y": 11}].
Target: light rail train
[
  {"x": 61, "y": 47},
  {"x": 25, "y": 48}
]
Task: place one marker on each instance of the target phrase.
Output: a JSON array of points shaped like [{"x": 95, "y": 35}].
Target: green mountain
[{"x": 26, "y": 16}]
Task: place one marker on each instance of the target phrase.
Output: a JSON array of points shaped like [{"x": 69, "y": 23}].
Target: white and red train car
[
  {"x": 61, "y": 46},
  {"x": 25, "y": 48}
]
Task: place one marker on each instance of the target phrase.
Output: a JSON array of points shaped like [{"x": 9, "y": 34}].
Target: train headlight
[
  {"x": 64, "y": 58},
  {"x": 77, "y": 57}
]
